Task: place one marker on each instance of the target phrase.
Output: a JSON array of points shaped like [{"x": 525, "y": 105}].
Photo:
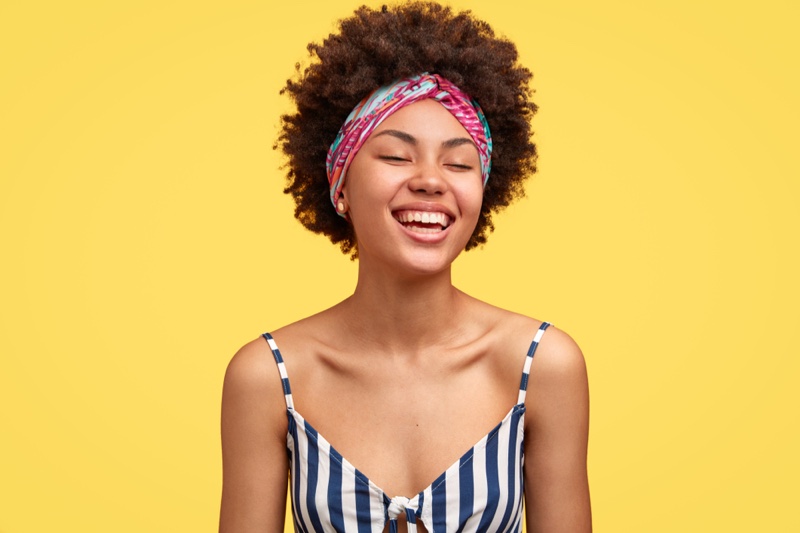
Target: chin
[
  {"x": 408, "y": 259},
  {"x": 425, "y": 263}
]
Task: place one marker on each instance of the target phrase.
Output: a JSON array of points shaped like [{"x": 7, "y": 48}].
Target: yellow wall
[{"x": 144, "y": 238}]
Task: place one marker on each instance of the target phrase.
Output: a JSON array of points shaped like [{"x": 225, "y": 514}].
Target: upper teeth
[{"x": 426, "y": 217}]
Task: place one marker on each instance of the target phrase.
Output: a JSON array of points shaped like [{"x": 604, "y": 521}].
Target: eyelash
[{"x": 457, "y": 166}]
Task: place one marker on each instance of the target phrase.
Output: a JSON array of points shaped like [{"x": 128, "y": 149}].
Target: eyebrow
[{"x": 410, "y": 139}]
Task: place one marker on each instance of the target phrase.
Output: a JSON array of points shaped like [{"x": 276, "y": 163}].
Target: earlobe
[{"x": 341, "y": 206}]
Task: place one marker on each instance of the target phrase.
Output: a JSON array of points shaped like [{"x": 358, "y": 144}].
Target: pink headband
[{"x": 374, "y": 109}]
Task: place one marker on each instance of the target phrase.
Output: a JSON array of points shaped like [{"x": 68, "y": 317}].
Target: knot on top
[{"x": 398, "y": 506}]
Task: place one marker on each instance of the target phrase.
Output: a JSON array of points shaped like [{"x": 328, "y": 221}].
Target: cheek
[
  {"x": 368, "y": 194},
  {"x": 470, "y": 199}
]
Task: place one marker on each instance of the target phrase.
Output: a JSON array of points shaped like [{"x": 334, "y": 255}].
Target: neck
[{"x": 404, "y": 314}]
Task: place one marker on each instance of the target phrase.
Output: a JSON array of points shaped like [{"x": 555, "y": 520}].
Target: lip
[
  {"x": 428, "y": 207},
  {"x": 425, "y": 238}
]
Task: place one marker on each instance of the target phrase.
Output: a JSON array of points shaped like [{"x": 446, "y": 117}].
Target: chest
[
  {"x": 481, "y": 490},
  {"x": 404, "y": 429}
]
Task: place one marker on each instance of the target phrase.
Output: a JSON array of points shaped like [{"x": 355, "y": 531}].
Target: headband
[{"x": 382, "y": 102}]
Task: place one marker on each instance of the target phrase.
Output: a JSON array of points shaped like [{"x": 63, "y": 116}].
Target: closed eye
[
  {"x": 459, "y": 166},
  {"x": 393, "y": 158}
]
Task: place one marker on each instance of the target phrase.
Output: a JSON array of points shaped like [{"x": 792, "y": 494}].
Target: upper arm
[
  {"x": 254, "y": 459},
  {"x": 556, "y": 439}
]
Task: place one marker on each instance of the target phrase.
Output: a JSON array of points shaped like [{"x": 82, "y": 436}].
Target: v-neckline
[{"x": 361, "y": 477}]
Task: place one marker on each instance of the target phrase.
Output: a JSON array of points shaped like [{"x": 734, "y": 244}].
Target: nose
[{"x": 428, "y": 180}]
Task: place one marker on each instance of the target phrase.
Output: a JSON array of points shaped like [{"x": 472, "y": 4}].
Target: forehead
[{"x": 425, "y": 119}]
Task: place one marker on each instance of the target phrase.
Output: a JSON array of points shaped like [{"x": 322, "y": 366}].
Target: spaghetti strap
[
  {"x": 523, "y": 386},
  {"x": 287, "y": 389}
]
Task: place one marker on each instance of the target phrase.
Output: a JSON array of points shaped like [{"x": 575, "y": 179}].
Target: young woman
[{"x": 409, "y": 406}]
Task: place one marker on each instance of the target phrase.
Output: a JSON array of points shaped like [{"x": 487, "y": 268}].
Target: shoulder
[
  {"x": 510, "y": 336},
  {"x": 255, "y": 360},
  {"x": 251, "y": 366},
  {"x": 511, "y": 330},
  {"x": 254, "y": 372},
  {"x": 557, "y": 353},
  {"x": 558, "y": 362},
  {"x": 558, "y": 388},
  {"x": 252, "y": 387},
  {"x": 303, "y": 343}
]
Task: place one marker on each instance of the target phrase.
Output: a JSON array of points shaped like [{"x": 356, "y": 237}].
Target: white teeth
[{"x": 424, "y": 217}]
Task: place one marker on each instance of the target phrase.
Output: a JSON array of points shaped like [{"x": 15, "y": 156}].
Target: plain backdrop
[{"x": 144, "y": 238}]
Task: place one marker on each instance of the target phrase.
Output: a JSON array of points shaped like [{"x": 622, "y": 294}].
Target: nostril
[{"x": 429, "y": 191}]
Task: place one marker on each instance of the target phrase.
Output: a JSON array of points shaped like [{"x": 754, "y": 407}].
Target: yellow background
[{"x": 144, "y": 238}]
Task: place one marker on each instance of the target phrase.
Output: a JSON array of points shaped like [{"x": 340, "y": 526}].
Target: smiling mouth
[{"x": 423, "y": 221}]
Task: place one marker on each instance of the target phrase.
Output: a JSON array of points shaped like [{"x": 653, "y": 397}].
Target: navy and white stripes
[{"x": 481, "y": 492}]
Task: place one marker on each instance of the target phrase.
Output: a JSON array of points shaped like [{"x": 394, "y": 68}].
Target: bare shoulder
[
  {"x": 558, "y": 388},
  {"x": 514, "y": 333},
  {"x": 510, "y": 336},
  {"x": 251, "y": 366},
  {"x": 558, "y": 354},
  {"x": 296, "y": 338},
  {"x": 558, "y": 366},
  {"x": 253, "y": 385},
  {"x": 558, "y": 378}
]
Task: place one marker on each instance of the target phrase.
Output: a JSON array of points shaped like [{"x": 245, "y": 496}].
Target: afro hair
[{"x": 376, "y": 47}]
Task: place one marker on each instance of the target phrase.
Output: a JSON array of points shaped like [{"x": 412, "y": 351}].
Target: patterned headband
[{"x": 374, "y": 109}]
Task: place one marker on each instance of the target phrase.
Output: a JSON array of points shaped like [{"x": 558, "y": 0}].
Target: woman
[{"x": 409, "y": 406}]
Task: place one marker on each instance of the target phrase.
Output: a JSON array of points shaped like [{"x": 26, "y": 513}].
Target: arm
[
  {"x": 254, "y": 461},
  {"x": 556, "y": 481}
]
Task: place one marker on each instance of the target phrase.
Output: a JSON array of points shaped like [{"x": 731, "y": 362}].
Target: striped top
[{"x": 480, "y": 492}]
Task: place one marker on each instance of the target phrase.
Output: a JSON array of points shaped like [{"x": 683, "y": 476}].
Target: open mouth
[{"x": 423, "y": 221}]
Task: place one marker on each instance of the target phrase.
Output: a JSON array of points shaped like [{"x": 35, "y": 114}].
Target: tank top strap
[
  {"x": 526, "y": 370},
  {"x": 287, "y": 389}
]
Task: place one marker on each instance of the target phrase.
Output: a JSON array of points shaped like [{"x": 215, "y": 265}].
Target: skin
[{"x": 408, "y": 359}]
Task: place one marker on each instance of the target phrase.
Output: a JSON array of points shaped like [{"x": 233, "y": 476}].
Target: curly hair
[{"x": 376, "y": 47}]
